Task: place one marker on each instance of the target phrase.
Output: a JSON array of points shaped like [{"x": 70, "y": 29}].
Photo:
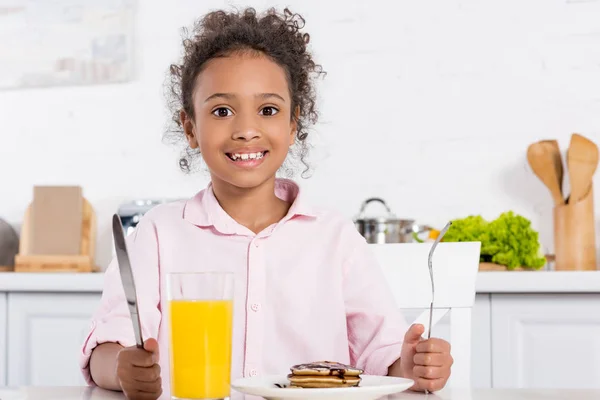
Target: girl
[{"x": 307, "y": 287}]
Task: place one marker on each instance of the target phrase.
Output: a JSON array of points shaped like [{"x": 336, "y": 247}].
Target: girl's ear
[
  {"x": 189, "y": 129},
  {"x": 294, "y": 124}
]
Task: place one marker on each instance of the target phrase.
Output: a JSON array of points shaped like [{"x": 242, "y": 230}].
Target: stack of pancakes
[{"x": 324, "y": 374}]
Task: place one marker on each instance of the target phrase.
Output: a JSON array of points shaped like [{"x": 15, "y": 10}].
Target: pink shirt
[{"x": 306, "y": 288}]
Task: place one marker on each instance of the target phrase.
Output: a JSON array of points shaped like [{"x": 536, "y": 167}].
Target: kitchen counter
[
  {"x": 487, "y": 282},
  {"x": 538, "y": 282},
  {"x": 51, "y": 282}
]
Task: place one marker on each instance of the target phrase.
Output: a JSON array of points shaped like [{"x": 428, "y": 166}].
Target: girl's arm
[
  {"x": 111, "y": 325},
  {"x": 103, "y": 366},
  {"x": 381, "y": 342},
  {"x": 395, "y": 370},
  {"x": 376, "y": 326},
  {"x": 131, "y": 370}
]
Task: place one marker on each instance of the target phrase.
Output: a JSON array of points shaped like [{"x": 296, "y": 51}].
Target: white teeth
[{"x": 246, "y": 156}]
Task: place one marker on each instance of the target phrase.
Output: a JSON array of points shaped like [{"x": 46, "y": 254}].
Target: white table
[{"x": 87, "y": 393}]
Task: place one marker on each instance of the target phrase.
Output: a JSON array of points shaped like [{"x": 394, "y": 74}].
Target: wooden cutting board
[
  {"x": 56, "y": 220},
  {"x": 497, "y": 267},
  {"x": 485, "y": 266},
  {"x": 82, "y": 262}
]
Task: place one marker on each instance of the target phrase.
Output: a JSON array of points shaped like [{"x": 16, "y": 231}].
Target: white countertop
[
  {"x": 538, "y": 282},
  {"x": 487, "y": 282},
  {"x": 51, "y": 282},
  {"x": 88, "y": 393}
]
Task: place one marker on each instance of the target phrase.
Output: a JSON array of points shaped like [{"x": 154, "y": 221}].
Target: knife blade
[{"x": 127, "y": 278}]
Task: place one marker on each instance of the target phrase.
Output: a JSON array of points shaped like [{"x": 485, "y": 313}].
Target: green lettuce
[{"x": 508, "y": 240}]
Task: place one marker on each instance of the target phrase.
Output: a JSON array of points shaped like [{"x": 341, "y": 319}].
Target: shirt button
[
  {"x": 253, "y": 372},
  {"x": 255, "y": 307},
  {"x": 255, "y": 244}
]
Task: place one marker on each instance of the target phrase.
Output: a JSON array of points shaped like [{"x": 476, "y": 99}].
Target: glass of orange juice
[{"x": 201, "y": 319}]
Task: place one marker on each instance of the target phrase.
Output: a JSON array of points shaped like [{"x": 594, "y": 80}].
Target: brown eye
[
  {"x": 269, "y": 111},
  {"x": 222, "y": 112}
]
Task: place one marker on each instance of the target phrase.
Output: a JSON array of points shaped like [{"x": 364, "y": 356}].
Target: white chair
[{"x": 455, "y": 267}]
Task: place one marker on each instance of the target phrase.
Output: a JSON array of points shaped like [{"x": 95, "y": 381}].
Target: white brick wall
[{"x": 429, "y": 104}]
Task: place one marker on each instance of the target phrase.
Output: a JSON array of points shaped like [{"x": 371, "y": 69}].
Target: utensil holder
[{"x": 575, "y": 235}]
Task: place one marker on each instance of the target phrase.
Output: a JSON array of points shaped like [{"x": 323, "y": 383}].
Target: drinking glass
[{"x": 201, "y": 319}]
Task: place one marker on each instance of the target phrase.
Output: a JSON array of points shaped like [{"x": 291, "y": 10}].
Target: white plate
[{"x": 371, "y": 387}]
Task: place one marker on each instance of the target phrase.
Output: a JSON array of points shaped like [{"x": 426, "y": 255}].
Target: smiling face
[{"x": 242, "y": 121}]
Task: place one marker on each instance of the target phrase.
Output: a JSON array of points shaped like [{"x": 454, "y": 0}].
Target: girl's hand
[
  {"x": 138, "y": 371},
  {"x": 427, "y": 362}
]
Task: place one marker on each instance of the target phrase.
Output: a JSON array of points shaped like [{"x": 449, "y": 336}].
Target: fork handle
[{"x": 430, "y": 320}]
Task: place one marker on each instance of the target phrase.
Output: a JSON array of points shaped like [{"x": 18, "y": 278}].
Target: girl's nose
[{"x": 245, "y": 128}]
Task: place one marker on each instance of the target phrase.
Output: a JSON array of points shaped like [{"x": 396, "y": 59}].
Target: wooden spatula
[
  {"x": 545, "y": 161},
  {"x": 582, "y": 161},
  {"x": 552, "y": 147}
]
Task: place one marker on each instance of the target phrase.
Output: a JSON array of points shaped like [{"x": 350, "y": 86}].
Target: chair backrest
[{"x": 455, "y": 267}]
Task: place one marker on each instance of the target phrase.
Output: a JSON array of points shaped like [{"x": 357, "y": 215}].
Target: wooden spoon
[
  {"x": 582, "y": 161},
  {"x": 552, "y": 147},
  {"x": 545, "y": 161}
]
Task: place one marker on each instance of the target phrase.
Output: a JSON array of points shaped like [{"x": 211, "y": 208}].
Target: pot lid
[{"x": 390, "y": 217}]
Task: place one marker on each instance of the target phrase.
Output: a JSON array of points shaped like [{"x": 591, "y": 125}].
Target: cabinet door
[
  {"x": 3, "y": 322},
  {"x": 481, "y": 347},
  {"x": 45, "y": 334},
  {"x": 546, "y": 341}
]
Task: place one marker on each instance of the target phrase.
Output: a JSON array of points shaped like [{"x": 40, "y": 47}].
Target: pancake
[
  {"x": 324, "y": 374},
  {"x": 322, "y": 381},
  {"x": 325, "y": 368}
]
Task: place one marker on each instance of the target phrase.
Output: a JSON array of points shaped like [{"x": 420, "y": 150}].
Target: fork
[{"x": 429, "y": 262}]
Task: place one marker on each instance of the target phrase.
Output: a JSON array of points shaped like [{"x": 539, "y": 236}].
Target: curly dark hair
[{"x": 218, "y": 34}]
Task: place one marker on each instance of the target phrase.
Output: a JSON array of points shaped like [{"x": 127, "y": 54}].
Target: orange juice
[{"x": 201, "y": 348}]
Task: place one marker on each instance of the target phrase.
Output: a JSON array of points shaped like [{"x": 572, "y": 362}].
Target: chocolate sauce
[{"x": 334, "y": 368}]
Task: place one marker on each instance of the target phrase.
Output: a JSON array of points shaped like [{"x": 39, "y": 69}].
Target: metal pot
[
  {"x": 387, "y": 229},
  {"x": 9, "y": 244},
  {"x": 131, "y": 212}
]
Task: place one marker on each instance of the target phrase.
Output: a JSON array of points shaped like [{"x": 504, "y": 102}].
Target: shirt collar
[{"x": 204, "y": 210}]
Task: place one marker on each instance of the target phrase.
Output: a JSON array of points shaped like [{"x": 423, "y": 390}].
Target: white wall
[{"x": 429, "y": 104}]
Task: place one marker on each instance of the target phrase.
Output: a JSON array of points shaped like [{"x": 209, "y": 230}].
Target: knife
[{"x": 127, "y": 278}]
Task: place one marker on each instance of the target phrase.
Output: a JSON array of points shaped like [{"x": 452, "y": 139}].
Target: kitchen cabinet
[
  {"x": 481, "y": 351},
  {"x": 3, "y": 347},
  {"x": 529, "y": 329},
  {"x": 546, "y": 340},
  {"x": 45, "y": 332}
]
